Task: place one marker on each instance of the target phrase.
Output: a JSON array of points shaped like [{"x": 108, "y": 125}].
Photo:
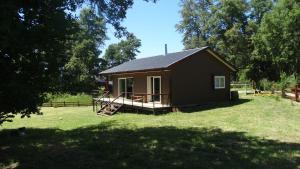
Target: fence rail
[{"x": 66, "y": 104}]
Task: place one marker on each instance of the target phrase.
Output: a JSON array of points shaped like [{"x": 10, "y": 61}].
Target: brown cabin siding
[
  {"x": 140, "y": 82},
  {"x": 192, "y": 80}
]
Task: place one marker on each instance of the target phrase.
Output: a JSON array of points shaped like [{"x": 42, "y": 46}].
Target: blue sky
[{"x": 154, "y": 24}]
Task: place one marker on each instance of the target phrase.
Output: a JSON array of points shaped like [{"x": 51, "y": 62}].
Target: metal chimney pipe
[{"x": 166, "y": 49}]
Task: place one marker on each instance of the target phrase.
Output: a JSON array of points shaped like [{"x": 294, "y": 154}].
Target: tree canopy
[
  {"x": 225, "y": 25},
  {"x": 260, "y": 37},
  {"x": 277, "y": 43},
  {"x": 35, "y": 42},
  {"x": 83, "y": 64},
  {"x": 121, "y": 52}
]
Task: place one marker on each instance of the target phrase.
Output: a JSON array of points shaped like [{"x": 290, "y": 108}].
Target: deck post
[
  {"x": 153, "y": 104},
  {"x": 143, "y": 103},
  {"x": 296, "y": 94},
  {"x": 153, "y": 101}
]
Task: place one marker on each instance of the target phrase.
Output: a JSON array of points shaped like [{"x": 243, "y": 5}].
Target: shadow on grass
[
  {"x": 214, "y": 105},
  {"x": 189, "y": 109},
  {"x": 162, "y": 147}
]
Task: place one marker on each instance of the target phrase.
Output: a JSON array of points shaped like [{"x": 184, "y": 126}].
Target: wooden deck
[
  {"x": 129, "y": 102},
  {"x": 107, "y": 104}
]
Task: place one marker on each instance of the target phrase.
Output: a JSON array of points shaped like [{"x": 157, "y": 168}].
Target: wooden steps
[{"x": 109, "y": 109}]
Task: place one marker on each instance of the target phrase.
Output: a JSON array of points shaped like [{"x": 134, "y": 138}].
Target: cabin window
[{"x": 219, "y": 82}]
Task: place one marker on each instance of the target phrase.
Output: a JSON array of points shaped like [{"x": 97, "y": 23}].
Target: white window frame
[
  {"x": 149, "y": 87},
  {"x": 217, "y": 84},
  {"x": 125, "y": 85}
]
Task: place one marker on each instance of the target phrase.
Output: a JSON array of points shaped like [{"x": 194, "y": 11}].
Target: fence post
[
  {"x": 64, "y": 103},
  {"x": 78, "y": 103},
  {"x": 97, "y": 106},
  {"x": 51, "y": 104},
  {"x": 131, "y": 101},
  {"x": 93, "y": 102}
]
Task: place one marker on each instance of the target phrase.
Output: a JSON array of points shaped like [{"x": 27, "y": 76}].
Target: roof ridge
[
  {"x": 170, "y": 53},
  {"x": 198, "y": 49}
]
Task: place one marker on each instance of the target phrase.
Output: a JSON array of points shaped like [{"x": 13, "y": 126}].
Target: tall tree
[
  {"x": 226, "y": 25},
  {"x": 33, "y": 47},
  {"x": 123, "y": 51},
  {"x": 194, "y": 24},
  {"x": 83, "y": 66},
  {"x": 277, "y": 42}
]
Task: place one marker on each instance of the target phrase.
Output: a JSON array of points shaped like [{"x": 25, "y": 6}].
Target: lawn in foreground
[{"x": 257, "y": 132}]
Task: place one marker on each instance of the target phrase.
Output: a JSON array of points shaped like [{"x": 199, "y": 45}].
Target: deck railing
[
  {"x": 143, "y": 98},
  {"x": 137, "y": 99},
  {"x": 100, "y": 100}
]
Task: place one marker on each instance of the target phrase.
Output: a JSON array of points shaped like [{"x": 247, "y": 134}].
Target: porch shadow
[
  {"x": 213, "y": 105},
  {"x": 105, "y": 146},
  {"x": 190, "y": 109}
]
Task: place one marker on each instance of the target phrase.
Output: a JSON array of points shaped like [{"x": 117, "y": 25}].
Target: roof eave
[{"x": 134, "y": 71}]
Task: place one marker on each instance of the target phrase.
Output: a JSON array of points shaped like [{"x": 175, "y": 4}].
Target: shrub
[
  {"x": 265, "y": 84},
  {"x": 287, "y": 82}
]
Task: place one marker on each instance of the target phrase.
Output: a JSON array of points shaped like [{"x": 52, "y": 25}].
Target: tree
[
  {"x": 123, "y": 51},
  {"x": 277, "y": 42},
  {"x": 194, "y": 24},
  {"x": 83, "y": 66},
  {"x": 225, "y": 25},
  {"x": 33, "y": 48}
]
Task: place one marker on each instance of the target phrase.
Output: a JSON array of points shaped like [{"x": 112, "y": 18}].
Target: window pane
[
  {"x": 129, "y": 87},
  {"x": 222, "y": 82},
  {"x": 121, "y": 86},
  {"x": 219, "y": 82},
  {"x": 156, "y": 89}
]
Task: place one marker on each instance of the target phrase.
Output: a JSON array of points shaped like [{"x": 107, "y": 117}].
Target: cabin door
[{"x": 154, "y": 88}]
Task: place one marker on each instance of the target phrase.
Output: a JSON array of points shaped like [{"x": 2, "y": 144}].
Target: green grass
[
  {"x": 255, "y": 132},
  {"x": 82, "y": 98}
]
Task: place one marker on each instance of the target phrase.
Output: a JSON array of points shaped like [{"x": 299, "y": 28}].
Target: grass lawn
[{"x": 255, "y": 132}]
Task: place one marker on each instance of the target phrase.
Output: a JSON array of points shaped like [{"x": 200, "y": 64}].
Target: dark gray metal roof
[{"x": 154, "y": 62}]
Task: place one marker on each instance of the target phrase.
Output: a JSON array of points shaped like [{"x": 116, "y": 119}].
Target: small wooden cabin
[{"x": 190, "y": 77}]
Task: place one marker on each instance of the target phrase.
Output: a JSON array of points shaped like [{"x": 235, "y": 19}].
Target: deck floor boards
[{"x": 129, "y": 102}]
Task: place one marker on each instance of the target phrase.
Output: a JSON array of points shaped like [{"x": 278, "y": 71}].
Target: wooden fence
[
  {"x": 246, "y": 88},
  {"x": 66, "y": 104},
  {"x": 294, "y": 95}
]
